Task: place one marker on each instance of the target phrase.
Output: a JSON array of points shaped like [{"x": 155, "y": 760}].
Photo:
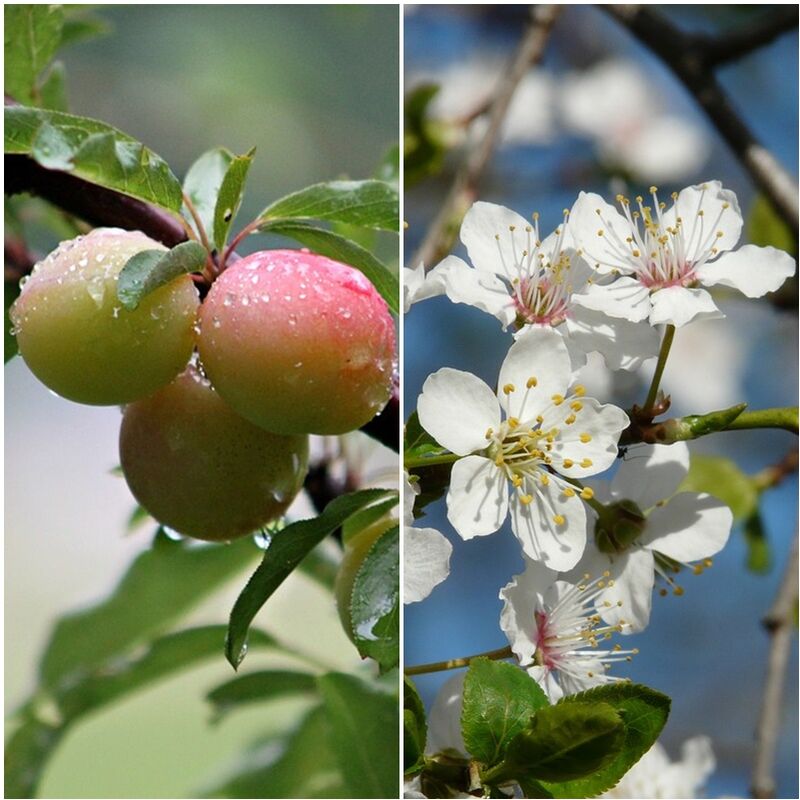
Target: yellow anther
[
  {"x": 698, "y": 569},
  {"x": 639, "y": 199},
  {"x": 499, "y": 460},
  {"x": 544, "y": 478},
  {"x": 579, "y": 390},
  {"x": 585, "y": 438},
  {"x": 678, "y": 591},
  {"x": 532, "y": 382},
  {"x": 497, "y": 237},
  {"x": 512, "y": 228},
  {"x": 590, "y": 674},
  {"x": 726, "y": 205},
  {"x": 576, "y": 405},
  {"x": 525, "y": 499},
  {"x": 535, "y": 215},
  {"x": 528, "y": 229},
  {"x": 557, "y": 399},
  {"x": 653, "y": 190},
  {"x": 516, "y": 480},
  {"x": 587, "y": 493},
  {"x": 567, "y": 463},
  {"x": 569, "y": 492},
  {"x": 635, "y": 253},
  {"x": 570, "y": 419},
  {"x": 489, "y": 433},
  {"x": 540, "y": 419},
  {"x": 674, "y": 195},
  {"x": 701, "y": 213},
  {"x": 719, "y": 234},
  {"x": 707, "y": 563},
  {"x": 663, "y": 592},
  {"x": 586, "y": 463},
  {"x": 600, "y": 233},
  {"x": 508, "y": 388},
  {"x": 513, "y": 422},
  {"x": 559, "y": 519}
]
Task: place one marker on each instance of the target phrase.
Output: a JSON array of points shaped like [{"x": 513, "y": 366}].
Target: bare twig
[
  {"x": 442, "y": 232},
  {"x": 691, "y": 58},
  {"x": 779, "y": 623}
]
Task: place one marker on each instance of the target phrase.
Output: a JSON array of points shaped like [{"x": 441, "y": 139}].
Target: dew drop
[
  {"x": 229, "y": 298},
  {"x": 254, "y": 280},
  {"x": 84, "y": 262},
  {"x": 263, "y": 539},
  {"x": 215, "y": 322},
  {"x": 245, "y": 301},
  {"x": 96, "y": 288},
  {"x": 265, "y": 298},
  {"x": 115, "y": 312},
  {"x": 171, "y": 533},
  {"x": 298, "y": 365}
]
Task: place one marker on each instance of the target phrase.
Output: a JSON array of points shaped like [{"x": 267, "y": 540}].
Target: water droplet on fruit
[
  {"x": 298, "y": 365},
  {"x": 229, "y": 298},
  {"x": 84, "y": 262},
  {"x": 265, "y": 298},
  {"x": 23, "y": 280},
  {"x": 115, "y": 312},
  {"x": 287, "y": 298},
  {"x": 171, "y": 533},
  {"x": 96, "y": 288},
  {"x": 292, "y": 319},
  {"x": 278, "y": 496},
  {"x": 245, "y": 301},
  {"x": 100, "y": 258},
  {"x": 215, "y": 322},
  {"x": 254, "y": 280}
]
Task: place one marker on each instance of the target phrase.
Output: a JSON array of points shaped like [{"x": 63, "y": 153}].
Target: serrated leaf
[
  {"x": 499, "y": 701},
  {"x": 561, "y": 743},
  {"x": 375, "y": 602},
  {"x": 229, "y": 197},
  {"x": 287, "y": 549},
  {"x": 415, "y": 726},
  {"x": 32, "y": 35},
  {"x": 98, "y": 154},
  {"x": 722, "y": 478},
  {"x": 53, "y": 91},
  {"x": 202, "y": 185},
  {"x": 365, "y": 735},
  {"x": 10, "y": 294},
  {"x": 158, "y": 588},
  {"x": 149, "y": 270},
  {"x": 366, "y": 204},
  {"x": 304, "y": 766},
  {"x": 333, "y": 246},
  {"x": 644, "y": 713},
  {"x": 257, "y": 687},
  {"x": 366, "y": 516}
]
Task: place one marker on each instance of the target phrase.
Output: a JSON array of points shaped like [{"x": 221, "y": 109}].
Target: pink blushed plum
[
  {"x": 78, "y": 339},
  {"x": 200, "y": 468},
  {"x": 298, "y": 343}
]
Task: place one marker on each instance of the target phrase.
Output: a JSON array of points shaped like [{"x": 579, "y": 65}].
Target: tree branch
[
  {"x": 686, "y": 55},
  {"x": 442, "y": 233},
  {"x": 779, "y": 623}
]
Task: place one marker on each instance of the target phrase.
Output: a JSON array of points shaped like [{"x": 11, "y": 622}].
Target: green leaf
[
  {"x": 159, "y": 587},
  {"x": 722, "y": 478},
  {"x": 80, "y": 26},
  {"x": 389, "y": 168},
  {"x": 375, "y": 602},
  {"x": 26, "y": 756},
  {"x": 415, "y": 726},
  {"x": 257, "y": 687},
  {"x": 418, "y": 444},
  {"x": 149, "y": 270},
  {"x": 564, "y": 742},
  {"x": 366, "y": 516},
  {"x": 53, "y": 91},
  {"x": 766, "y": 228},
  {"x": 304, "y": 767},
  {"x": 11, "y": 293},
  {"x": 423, "y": 147},
  {"x": 759, "y": 553},
  {"x": 367, "y": 204},
  {"x": 499, "y": 701},
  {"x": 166, "y": 655},
  {"x": 286, "y": 551},
  {"x": 32, "y": 36},
  {"x": 365, "y": 736},
  {"x": 202, "y": 185},
  {"x": 230, "y": 195},
  {"x": 333, "y": 246},
  {"x": 93, "y": 151},
  {"x": 644, "y": 713}
]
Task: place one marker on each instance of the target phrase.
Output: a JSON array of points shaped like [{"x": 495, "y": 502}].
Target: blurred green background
[{"x": 315, "y": 89}]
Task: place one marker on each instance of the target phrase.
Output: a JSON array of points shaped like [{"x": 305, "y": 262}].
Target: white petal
[
  {"x": 624, "y": 298},
  {"x": 409, "y": 495},
  {"x": 540, "y": 354},
  {"x": 609, "y": 250},
  {"x": 547, "y": 680},
  {"x": 444, "y": 722},
  {"x": 417, "y": 285},
  {"x": 520, "y": 599},
  {"x": 752, "y": 270},
  {"x": 602, "y": 424},
  {"x": 678, "y": 306},
  {"x": 426, "y": 562},
  {"x": 559, "y": 545},
  {"x": 697, "y": 761},
  {"x": 623, "y": 344},
  {"x": 699, "y": 230},
  {"x": 483, "y": 223},
  {"x": 479, "y": 289},
  {"x": 477, "y": 500},
  {"x": 651, "y": 473},
  {"x": 457, "y": 408},
  {"x": 689, "y": 527}
]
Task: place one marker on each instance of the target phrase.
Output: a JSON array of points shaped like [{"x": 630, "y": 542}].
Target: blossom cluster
[{"x": 610, "y": 280}]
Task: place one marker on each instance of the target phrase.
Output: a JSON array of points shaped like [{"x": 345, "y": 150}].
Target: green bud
[{"x": 618, "y": 526}]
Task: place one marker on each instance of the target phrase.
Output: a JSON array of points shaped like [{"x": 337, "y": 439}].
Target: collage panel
[
  {"x": 202, "y": 412},
  {"x": 600, "y": 386}
]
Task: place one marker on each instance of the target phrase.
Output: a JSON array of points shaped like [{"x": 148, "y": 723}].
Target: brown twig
[
  {"x": 779, "y": 623},
  {"x": 692, "y": 58},
  {"x": 442, "y": 232}
]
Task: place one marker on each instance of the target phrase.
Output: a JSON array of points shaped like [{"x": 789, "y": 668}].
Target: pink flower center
[{"x": 540, "y": 302}]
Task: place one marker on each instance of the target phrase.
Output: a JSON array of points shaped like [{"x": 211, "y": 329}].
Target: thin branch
[
  {"x": 685, "y": 54},
  {"x": 457, "y": 663},
  {"x": 779, "y": 623},
  {"x": 442, "y": 232}
]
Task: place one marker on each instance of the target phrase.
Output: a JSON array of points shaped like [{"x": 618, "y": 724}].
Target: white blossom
[
  {"x": 417, "y": 285},
  {"x": 533, "y": 434},
  {"x": 662, "y": 257}
]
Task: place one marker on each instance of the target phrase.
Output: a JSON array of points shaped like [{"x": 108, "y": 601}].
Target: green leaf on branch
[
  {"x": 375, "y": 602},
  {"x": 159, "y": 587},
  {"x": 759, "y": 553},
  {"x": 722, "y": 478},
  {"x": 365, "y": 517},
  {"x": 424, "y": 148},
  {"x": 333, "y": 246},
  {"x": 53, "y": 91},
  {"x": 257, "y": 687},
  {"x": 149, "y": 270},
  {"x": 94, "y": 152},
  {"x": 81, "y": 25},
  {"x": 366, "y": 204},
  {"x": 32, "y": 36},
  {"x": 27, "y": 750},
  {"x": 202, "y": 184},
  {"x": 565, "y": 742},
  {"x": 644, "y": 713},
  {"x": 766, "y": 228},
  {"x": 389, "y": 168},
  {"x": 229, "y": 198},
  {"x": 364, "y": 734},
  {"x": 287, "y": 549},
  {"x": 11, "y": 293},
  {"x": 415, "y": 727},
  {"x": 499, "y": 701},
  {"x": 419, "y": 445}
]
